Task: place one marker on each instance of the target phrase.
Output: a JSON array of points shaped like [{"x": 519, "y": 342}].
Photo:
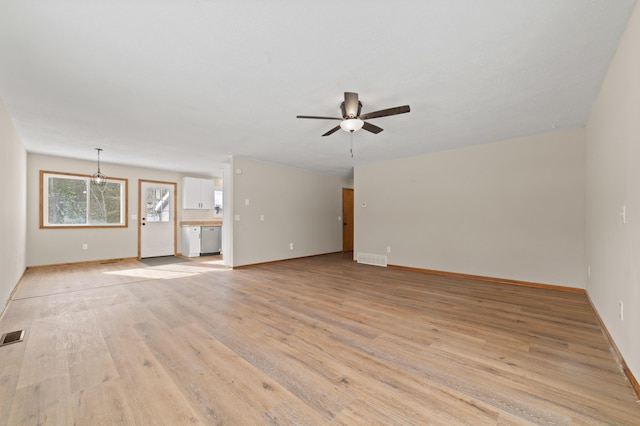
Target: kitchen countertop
[{"x": 201, "y": 223}]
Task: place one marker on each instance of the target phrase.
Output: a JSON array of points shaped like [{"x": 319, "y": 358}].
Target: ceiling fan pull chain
[{"x": 351, "y": 145}]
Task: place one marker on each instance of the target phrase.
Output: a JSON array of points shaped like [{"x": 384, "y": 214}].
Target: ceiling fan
[{"x": 352, "y": 120}]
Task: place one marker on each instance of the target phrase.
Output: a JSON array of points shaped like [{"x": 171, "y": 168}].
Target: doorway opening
[{"x": 347, "y": 219}]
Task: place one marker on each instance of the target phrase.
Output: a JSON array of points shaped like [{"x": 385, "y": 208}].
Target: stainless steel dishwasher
[{"x": 210, "y": 240}]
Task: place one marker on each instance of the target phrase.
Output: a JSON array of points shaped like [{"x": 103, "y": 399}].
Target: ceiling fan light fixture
[{"x": 351, "y": 124}]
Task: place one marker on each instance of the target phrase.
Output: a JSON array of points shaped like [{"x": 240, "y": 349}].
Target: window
[
  {"x": 70, "y": 200},
  {"x": 158, "y": 208},
  {"x": 217, "y": 200}
]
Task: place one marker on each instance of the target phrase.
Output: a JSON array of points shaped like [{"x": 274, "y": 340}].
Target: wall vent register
[{"x": 372, "y": 259}]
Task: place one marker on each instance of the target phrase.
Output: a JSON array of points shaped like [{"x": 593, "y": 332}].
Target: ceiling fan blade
[
  {"x": 372, "y": 128},
  {"x": 351, "y": 104},
  {"x": 385, "y": 112},
  {"x": 332, "y": 131},
  {"x": 319, "y": 118}
]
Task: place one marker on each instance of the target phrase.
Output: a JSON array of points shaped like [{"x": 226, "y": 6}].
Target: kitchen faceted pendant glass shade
[
  {"x": 98, "y": 178},
  {"x": 351, "y": 124}
]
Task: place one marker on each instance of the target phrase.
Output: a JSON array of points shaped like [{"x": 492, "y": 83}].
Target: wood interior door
[{"x": 347, "y": 219}]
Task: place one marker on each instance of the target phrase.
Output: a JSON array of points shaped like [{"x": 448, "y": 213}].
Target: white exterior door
[{"x": 157, "y": 219}]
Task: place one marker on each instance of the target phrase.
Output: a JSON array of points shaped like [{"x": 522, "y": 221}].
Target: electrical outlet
[
  {"x": 621, "y": 305},
  {"x": 388, "y": 249},
  {"x": 291, "y": 246},
  {"x": 85, "y": 246},
  {"x": 589, "y": 270}
]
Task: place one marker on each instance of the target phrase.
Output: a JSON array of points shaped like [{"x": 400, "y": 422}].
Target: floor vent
[
  {"x": 372, "y": 259},
  {"x": 12, "y": 337}
]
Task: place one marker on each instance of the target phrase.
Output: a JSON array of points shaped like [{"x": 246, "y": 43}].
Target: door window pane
[{"x": 158, "y": 205}]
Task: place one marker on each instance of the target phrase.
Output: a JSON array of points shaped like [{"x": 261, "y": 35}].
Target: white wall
[
  {"x": 613, "y": 181},
  {"x": 13, "y": 175},
  {"x": 512, "y": 209},
  {"x": 55, "y": 246},
  {"x": 299, "y": 206}
]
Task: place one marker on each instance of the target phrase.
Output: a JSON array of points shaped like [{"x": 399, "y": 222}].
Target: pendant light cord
[{"x": 98, "y": 179}]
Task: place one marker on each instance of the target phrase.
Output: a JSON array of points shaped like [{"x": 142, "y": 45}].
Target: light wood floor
[{"x": 306, "y": 342}]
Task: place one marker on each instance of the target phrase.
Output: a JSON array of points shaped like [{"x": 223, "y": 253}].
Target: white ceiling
[{"x": 184, "y": 84}]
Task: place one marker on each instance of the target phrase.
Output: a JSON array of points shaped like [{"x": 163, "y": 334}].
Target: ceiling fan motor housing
[{"x": 349, "y": 114}]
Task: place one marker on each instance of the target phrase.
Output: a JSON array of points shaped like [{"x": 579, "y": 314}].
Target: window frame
[{"x": 44, "y": 201}]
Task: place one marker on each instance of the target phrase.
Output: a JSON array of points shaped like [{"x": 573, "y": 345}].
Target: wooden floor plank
[{"x": 312, "y": 341}]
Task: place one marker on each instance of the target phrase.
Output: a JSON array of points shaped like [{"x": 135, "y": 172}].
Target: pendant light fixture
[{"x": 98, "y": 178}]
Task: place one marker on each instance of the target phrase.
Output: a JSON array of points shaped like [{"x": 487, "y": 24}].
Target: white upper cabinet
[{"x": 197, "y": 193}]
